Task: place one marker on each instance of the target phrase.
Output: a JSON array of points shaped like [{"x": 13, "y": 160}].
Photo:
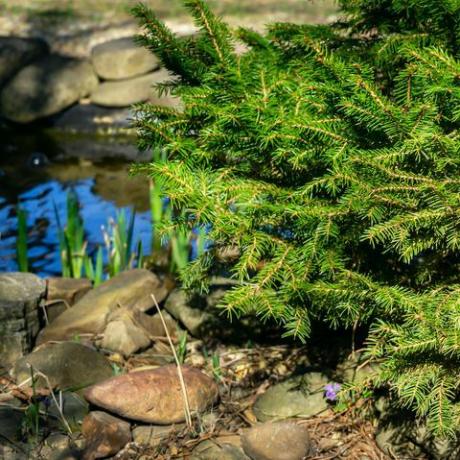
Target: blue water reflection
[{"x": 37, "y": 201}]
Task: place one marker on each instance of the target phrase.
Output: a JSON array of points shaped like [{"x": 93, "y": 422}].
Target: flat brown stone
[
  {"x": 104, "y": 435},
  {"x": 154, "y": 396}
]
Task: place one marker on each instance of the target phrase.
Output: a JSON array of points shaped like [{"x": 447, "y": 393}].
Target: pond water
[{"x": 38, "y": 172}]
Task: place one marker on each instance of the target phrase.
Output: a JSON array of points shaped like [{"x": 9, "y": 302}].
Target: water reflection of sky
[{"x": 43, "y": 248}]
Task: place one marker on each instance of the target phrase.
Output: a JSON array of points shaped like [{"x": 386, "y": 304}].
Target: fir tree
[{"x": 329, "y": 155}]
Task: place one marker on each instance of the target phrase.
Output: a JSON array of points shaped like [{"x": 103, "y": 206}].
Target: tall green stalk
[{"x": 21, "y": 242}]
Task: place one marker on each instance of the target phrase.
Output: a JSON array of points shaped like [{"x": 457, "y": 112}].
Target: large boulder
[
  {"x": 46, "y": 87},
  {"x": 154, "y": 396},
  {"x": 20, "y": 297},
  {"x": 130, "y": 289},
  {"x": 67, "y": 365},
  {"x": 127, "y": 92},
  {"x": 122, "y": 58},
  {"x": 15, "y": 53},
  {"x": 301, "y": 396}
]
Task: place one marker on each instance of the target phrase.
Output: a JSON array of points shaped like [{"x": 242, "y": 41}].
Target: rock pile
[{"x": 36, "y": 84}]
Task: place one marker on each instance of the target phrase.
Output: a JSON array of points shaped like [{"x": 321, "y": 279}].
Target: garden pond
[{"x": 37, "y": 171}]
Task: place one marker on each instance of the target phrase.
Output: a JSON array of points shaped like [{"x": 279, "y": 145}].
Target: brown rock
[
  {"x": 62, "y": 293},
  {"x": 276, "y": 441},
  {"x": 105, "y": 435},
  {"x": 154, "y": 396},
  {"x": 131, "y": 289}
]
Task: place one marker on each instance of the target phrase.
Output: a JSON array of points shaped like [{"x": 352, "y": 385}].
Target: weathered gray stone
[
  {"x": 202, "y": 318},
  {"x": 153, "y": 435},
  {"x": 62, "y": 293},
  {"x": 411, "y": 440},
  {"x": 46, "y": 87},
  {"x": 301, "y": 396},
  {"x": 130, "y": 289},
  {"x": 217, "y": 449},
  {"x": 276, "y": 441},
  {"x": 129, "y": 331},
  {"x": 124, "y": 93},
  {"x": 122, "y": 58},
  {"x": 20, "y": 297},
  {"x": 74, "y": 407},
  {"x": 68, "y": 365},
  {"x": 16, "y": 53},
  {"x": 11, "y": 418}
]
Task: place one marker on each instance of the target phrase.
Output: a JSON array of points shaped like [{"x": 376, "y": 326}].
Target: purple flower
[{"x": 330, "y": 391}]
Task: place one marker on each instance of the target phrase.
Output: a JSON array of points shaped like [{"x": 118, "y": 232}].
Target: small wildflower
[{"x": 331, "y": 390}]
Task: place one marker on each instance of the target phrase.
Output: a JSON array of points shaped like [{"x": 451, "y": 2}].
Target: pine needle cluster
[{"x": 329, "y": 155}]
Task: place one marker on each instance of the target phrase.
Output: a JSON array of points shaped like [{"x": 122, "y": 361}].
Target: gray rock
[
  {"x": 74, "y": 408},
  {"x": 68, "y": 365},
  {"x": 130, "y": 331},
  {"x": 296, "y": 397},
  {"x": 46, "y": 87},
  {"x": 11, "y": 418},
  {"x": 125, "y": 334},
  {"x": 16, "y": 53},
  {"x": 89, "y": 118},
  {"x": 276, "y": 441},
  {"x": 355, "y": 369},
  {"x": 62, "y": 293},
  {"x": 130, "y": 289},
  {"x": 217, "y": 449},
  {"x": 122, "y": 58},
  {"x": 20, "y": 297},
  {"x": 60, "y": 447},
  {"x": 193, "y": 318},
  {"x": 153, "y": 435},
  {"x": 412, "y": 441},
  {"x": 124, "y": 93}
]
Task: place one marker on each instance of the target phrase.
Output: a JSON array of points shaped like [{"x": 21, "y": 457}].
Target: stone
[
  {"x": 68, "y": 365},
  {"x": 46, "y": 87},
  {"x": 62, "y": 293},
  {"x": 90, "y": 118},
  {"x": 154, "y": 435},
  {"x": 201, "y": 316},
  {"x": 194, "y": 318},
  {"x": 105, "y": 435},
  {"x": 58, "y": 446},
  {"x": 412, "y": 441},
  {"x": 301, "y": 396},
  {"x": 125, "y": 335},
  {"x": 154, "y": 396},
  {"x": 20, "y": 297},
  {"x": 122, "y": 58},
  {"x": 11, "y": 418},
  {"x": 74, "y": 407},
  {"x": 355, "y": 369},
  {"x": 124, "y": 93},
  {"x": 217, "y": 449},
  {"x": 130, "y": 289},
  {"x": 15, "y": 53},
  {"x": 276, "y": 441},
  {"x": 130, "y": 331}
]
